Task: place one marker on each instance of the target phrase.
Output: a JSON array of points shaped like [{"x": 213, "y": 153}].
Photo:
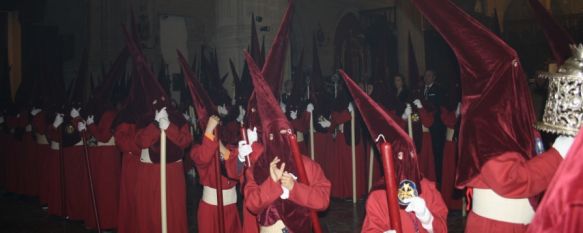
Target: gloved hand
[
  {"x": 35, "y": 111},
  {"x": 324, "y": 123},
  {"x": 407, "y": 112},
  {"x": 417, "y": 205},
  {"x": 390, "y": 231},
  {"x": 81, "y": 126},
  {"x": 293, "y": 114},
  {"x": 75, "y": 112},
  {"x": 244, "y": 150},
  {"x": 58, "y": 120},
  {"x": 186, "y": 116},
  {"x": 90, "y": 120},
  {"x": 252, "y": 135},
  {"x": 417, "y": 103},
  {"x": 563, "y": 144},
  {"x": 310, "y": 108},
  {"x": 282, "y": 106},
  {"x": 290, "y": 180},
  {"x": 222, "y": 110},
  {"x": 241, "y": 114},
  {"x": 162, "y": 118},
  {"x": 350, "y": 107}
]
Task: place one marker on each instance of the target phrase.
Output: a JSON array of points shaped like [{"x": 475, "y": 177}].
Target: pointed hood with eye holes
[
  {"x": 497, "y": 114},
  {"x": 147, "y": 96},
  {"x": 275, "y": 133},
  {"x": 380, "y": 123}
]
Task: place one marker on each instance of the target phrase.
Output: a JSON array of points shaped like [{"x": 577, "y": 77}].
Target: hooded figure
[
  {"x": 152, "y": 111},
  {"x": 271, "y": 191},
  {"x": 496, "y": 138},
  {"x": 421, "y": 206}
]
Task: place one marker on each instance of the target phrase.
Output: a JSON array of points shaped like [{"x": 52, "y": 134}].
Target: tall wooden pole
[
  {"x": 163, "y": 181},
  {"x": 90, "y": 178},
  {"x": 312, "y": 154},
  {"x": 353, "y": 148},
  {"x": 220, "y": 208},
  {"x": 370, "y": 166}
]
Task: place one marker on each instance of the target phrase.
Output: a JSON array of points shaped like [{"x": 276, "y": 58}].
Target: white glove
[
  {"x": 1, "y": 119},
  {"x": 285, "y": 194},
  {"x": 325, "y": 123},
  {"x": 417, "y": 205},
  {"x": 390, "y": 231},
  {"x": 458, "y": 110},
  {"x": 90, "y": 120},
  {"x": 294, "y": 114},
  {"x": 282, "y": 106},
  {"x": 222, "y": 110},
  {"x": 241, "y": 114},
  {"x": 244, "y": 150},
  {"x": 75, "y": 112},
  {"x": 407, "y": 112},
  {"x": 186, "y": 116},
  {"x": 252, "y": 135},
  {"x": 350, "y": 107},
  {"x": 81, "y": 126},
  {"x": 417, "y": 103},
  {"x": 35, "y": 111},
  {"x": 161, "y": 114},
  {"x": 164, "y": 123},
  {"x": 310, "y": 108},
  {"x": 562, "y": 144},
  {"x": 58, "y": 120}
]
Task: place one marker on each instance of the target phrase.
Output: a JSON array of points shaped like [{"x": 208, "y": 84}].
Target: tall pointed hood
[
  {"x": 103, "y": 96},
  {"x": 497, "y": 114},
  {"x": 558, "y": 39},
  {"x": 255, "y": 49},
  {"x": 273, "y": 68},
  {"x": 79, "y": 91},
  {"x": 380, "y": 123},
  {"x": 202, "y": 103},
  {"x": 496, "y": 24},
  {"x": 413, "y": 67},
  {"x": 275, "y": 132}
]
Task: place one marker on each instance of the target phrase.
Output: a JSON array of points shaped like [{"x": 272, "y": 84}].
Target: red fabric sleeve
[
  {"x": 102, "y": 131},
  {"x": 316, "y": 196},
  {"x": 179, "y": 136},
  {"x": 259, "y": 196},
  {"x": 511, "y": 176},
  {"x": 202, "y": 154},
  {"x": 232, "y": 165},
  {"x": 436, "y": 205},
  {"x": 125, "y": 138},
  {"x": 338, "y": 118},
  {"x": 426, "y": 117},
  {"x": 448, "y": 118},
  {"x": 52, "y": 133},
  {"x": 39, "y": 123},
  {"x": 148, "y": 136},
  {"x": 302, "y": 123}
]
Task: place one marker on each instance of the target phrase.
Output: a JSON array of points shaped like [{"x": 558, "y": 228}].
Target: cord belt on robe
[
  {"x": 488, "y": 204},
  {"x": 111, "y": 142},
  {"x": 41, "y": 139},
  {"x": 209, "y": 196}
]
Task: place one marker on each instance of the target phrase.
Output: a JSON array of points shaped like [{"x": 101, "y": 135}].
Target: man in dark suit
[{"x": 432, "y": 94}]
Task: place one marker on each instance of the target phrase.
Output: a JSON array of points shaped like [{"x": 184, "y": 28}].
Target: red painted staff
[{"x": 88, "y": 166}]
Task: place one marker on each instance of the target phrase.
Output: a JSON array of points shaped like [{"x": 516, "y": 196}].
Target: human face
[
  {"x": 429, "y": 77},
  {"x": 398, "y": 81}
]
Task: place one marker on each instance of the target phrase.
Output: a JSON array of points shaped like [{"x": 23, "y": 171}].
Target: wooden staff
[
  {"x": 62, "y": 174},
  {"x": 353, "y": 148},
  {"x": 244, "y": 137},
  {"x": 220, "y": 208},
  {"x": 303, "y": 177},
  {"x": 391, "y": 187},
  {"x": 312, "y": 154},
  {"x": 91, "y": 188},
  {"x": 370, "y": 166},
  {"x": 410, "y": 126},
  {"x": 163, "y": 181}
]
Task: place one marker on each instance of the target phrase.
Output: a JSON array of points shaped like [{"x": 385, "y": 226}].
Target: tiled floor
[{"x": 24, "y": 215}]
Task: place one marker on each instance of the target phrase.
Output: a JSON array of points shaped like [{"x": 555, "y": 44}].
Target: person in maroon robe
[{"x": 497, "y": 138}]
